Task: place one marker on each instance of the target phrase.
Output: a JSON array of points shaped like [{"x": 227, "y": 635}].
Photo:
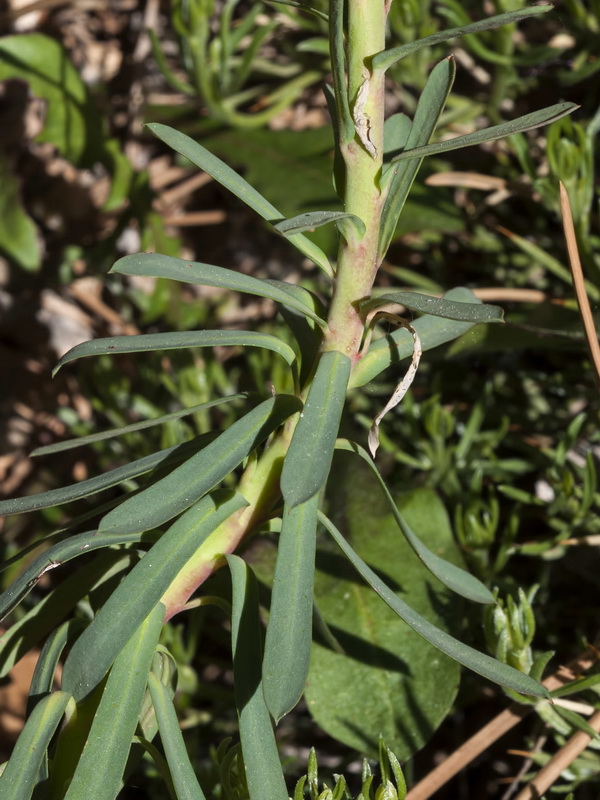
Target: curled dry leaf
[{"x": 404, "y": 385}]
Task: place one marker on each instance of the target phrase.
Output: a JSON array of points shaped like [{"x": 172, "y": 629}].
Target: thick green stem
[
  {"x": 363, "y": 157},
  {"x": 356, "y": 269},
  {"x": 260, "y": 486}
]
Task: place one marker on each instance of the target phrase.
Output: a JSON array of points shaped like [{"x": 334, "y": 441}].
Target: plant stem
[{"x": 357, "y": 257}]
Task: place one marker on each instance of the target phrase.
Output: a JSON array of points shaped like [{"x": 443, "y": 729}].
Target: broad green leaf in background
[
  {"x": 390, "y": 680},
  {"x": 182, "y": 773},
  {"x": 390, "y": 349},
  {"x": 309, "y": 456},
  {"x": 100, "y": 769},
  {"x": 525, "y": 123},
  {"x": 438, "y": 307},
  {"x": 387, "y": 58},
  {"x": 398, "y": 179},
  {"x": 93, "y": 653},
  {"x": 289, "y": 632},
  {"x": 18, "y": 233},
  {"x": 453, "y": 577},
  {"x": 160, "y": 266},
  {"x": 227, "y": 177},
  {"x": 259, "y": 748},
  {"x": 480, "y": 663},
  {"x": 176, "y": 340},
  {"x": 21, "y": 773},
  {"x": 72, "y": 123},
  {"x": 171, "y": 495}
]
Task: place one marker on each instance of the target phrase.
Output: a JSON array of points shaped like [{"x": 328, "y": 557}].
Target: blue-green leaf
[
  {"x": 455, "y": 578},
  {"x": 20, "y": 775},
  {"x": 289, "y": 632},
  {"x": 235, "y": 183},
  {"x": 438, "y": 307},
  {"x": 308, "y": 460},
  {"x": 397, "y": 178},
  {"x": 315, "y": 219},
  {"x": 480, "y": 663},
  {"x": 171, "y": 495},
  {"x": 91, "y": 486},
  {"x": 387, "y": 58},
  {"x": 390, "y": 349},
  {"x": 80, "y": 441},
  {"x": 93, "y": 653},
  {"x": 100, "y": 769},
  {"x": 259, "y": 748},
  {"x": 184, "y": 778},
  {"x": 158, "y": 266},
  {"x": 525, "y": 123}
]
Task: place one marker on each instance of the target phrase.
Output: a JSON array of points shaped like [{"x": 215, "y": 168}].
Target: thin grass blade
[
  {"x": 183, "y": 776},
  {"x": 478, "y": 662},
  {"x": 438, "y": 307},
  {"x": 158, "y": 266},
  {"x": 187, "y": 483},
  {"x": 289, "y": 632},
  {"x": 20, "y": 775},
  {"x": 455, "y": 578},
  {"x": 93, "y": 653},
  {"x": 100, "y": 769},
  {"x": 230, "y": 179},
  {"x": 387, "y": 58},
  {"x": 308, "y": 461},
  {"x": 259, "y": 748}
]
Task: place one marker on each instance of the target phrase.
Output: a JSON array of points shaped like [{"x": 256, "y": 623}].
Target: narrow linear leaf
[
  {"x": 100, "y": 769},
  {"x": 315, "y": 219},
  {"x": 230, "y": 179},
  {"x": 478, "y": 662},
  {"x": 295, "y": 4},
  {"x": 182, "y": 773},
  {"x": 187, "y": 483},
  {"x": 438, "y": 307},
  {"x": 20, "y": 775},
  {"x": 91, "y": 486},
  {"x": 177, "y": 340},
  {"x": 37, "y": 623},
  {"x": 387, "y": 58},
  {"x": 455, "y": 578},
  {"x": 54, "y": 557},
  {"x": 396, "y": 130},
  {"x": 399, "y": 178},
  {"x": 158, "y": 266},
  {"x": 390, "y": 349},
  {"x": 519, "y": 125},
  {"x": 48, "y": 660},
  {"x": 289, "y": 632},
  {"x": 93, "y": 653},
  {"x": 259, "y": 748},
  {"x": 344, "y": 123},
  {"x": 80, "y": 441},
  {"x": 308, "y": 460}
]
